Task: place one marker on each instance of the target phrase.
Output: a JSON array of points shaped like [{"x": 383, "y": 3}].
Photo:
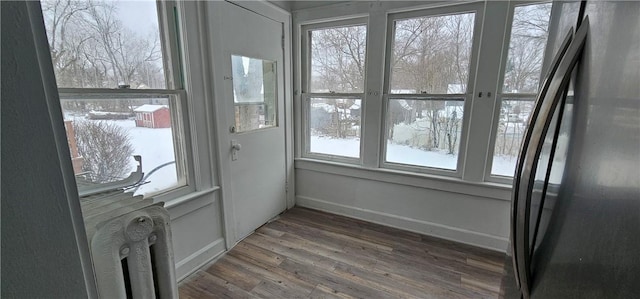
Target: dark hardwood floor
[{"x": 312, "y": 254}]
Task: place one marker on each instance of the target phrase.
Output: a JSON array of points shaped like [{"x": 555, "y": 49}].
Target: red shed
[{"x": 153, "y": 116}]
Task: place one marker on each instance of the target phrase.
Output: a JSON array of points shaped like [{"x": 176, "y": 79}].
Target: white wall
[
  {"x": 196, "y": 226},
  {"x": 473, "y": 214},
  {"x": 44, "y": 248},
  {"x": 466, "y": 208},
  {"x": 286, "y": 5}
]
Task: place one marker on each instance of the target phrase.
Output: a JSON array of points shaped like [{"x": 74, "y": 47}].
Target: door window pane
[
  {"x": 431, "y": 54},
  {"x": 337, "y": 59},
  {"x": 424, "y": 132},
  {"x": 334, "y": 126},
  {"x": 514, "y": 117},
  {"x": 254, "y": 93},
  {"x": 105, "y": 44},
  {"x": 104, "y": 135},
  {"x": 529, "y": 32}
]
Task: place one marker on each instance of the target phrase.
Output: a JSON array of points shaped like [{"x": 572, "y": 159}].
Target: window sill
[
  {"x": 186, "y": 198},
  {"x": 428, "y": 181}
]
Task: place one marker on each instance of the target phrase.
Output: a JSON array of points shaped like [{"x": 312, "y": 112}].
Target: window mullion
[
  {"x": 372, "y": 102},
  {"x": 482, "y": 108}
]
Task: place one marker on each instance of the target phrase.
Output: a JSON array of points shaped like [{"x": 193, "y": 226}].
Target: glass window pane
[
  {"x": 529, "y": 33},
  {"x": 105, "y": 44},
  {"x": 431, "y": 54},
  {"x": 337, "y": 59},
  {"x": 424, "y": 132},
  {"x": 254, "y": 93},
  {"x": 334, "y": 126},
  {"x": 104, "y": 135},
  {"x": 514, "y": 115}
]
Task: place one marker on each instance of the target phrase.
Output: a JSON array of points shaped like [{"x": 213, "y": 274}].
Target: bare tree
[
  {"x": 529, "y": 34},
  {"x": 122, "y": 49},
  {"x": 431, "y": 55},
  {"x": 106, "y": 149},
  {"x": 338, "y": 65},
  {"x": 91, "y": 47},
  {"x": 66, "y": 41},
  {"x": 342, "y": 120},
  {"x": 337, "y": 58}
]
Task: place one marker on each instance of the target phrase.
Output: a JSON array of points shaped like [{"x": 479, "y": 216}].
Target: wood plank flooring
[{"x": 312, "y": 254}]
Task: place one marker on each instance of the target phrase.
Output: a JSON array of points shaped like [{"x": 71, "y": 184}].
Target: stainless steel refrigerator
[{"x": 576, "y": 205}]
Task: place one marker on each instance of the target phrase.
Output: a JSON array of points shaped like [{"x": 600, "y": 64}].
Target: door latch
[{"x": 235, "y": 148}]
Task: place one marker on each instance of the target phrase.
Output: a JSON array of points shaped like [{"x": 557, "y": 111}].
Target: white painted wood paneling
[
  {"x": 197, "y": 233},
  {"x": 43, "y": 232},
  {"x": 476, "y": 220}
]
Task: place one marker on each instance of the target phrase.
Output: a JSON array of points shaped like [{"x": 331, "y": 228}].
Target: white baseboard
[
  {"x": 460, "y": 235},
  {"x": 198, "y": 259}
]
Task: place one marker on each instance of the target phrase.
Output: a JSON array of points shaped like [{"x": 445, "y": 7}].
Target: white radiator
[{"x": 131, "y": 249}]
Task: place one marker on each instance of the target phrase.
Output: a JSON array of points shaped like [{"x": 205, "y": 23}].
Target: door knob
[{"x": 235, "y": 147}]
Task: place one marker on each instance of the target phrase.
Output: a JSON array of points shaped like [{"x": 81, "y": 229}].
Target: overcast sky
[{"x": 140, "y": 15}]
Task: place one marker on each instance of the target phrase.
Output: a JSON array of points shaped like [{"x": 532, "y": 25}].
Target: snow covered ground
[
  {"x": 405, "y": 154},
  {"x": 156, "y": 148},
  {"x": 504, "y": 165},
  {"x": 348, "y": 147}
]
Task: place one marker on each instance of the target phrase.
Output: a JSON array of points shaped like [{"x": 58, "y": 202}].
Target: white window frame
[
  {"x": 501, "y": 95},
  {"x": 478, "y": 10},
  {"x": 307, "y": 95},
  {"x": 481, "y": 112},
  {"x": 174, "y": 72}
]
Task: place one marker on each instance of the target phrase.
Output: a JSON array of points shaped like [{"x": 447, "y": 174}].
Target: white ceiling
[{"x": 303, "y": 4}]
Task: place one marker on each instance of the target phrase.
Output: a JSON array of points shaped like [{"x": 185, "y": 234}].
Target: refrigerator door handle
[
  {"x": 516, "y": 200},
  {"x": 531, "y": 155}
]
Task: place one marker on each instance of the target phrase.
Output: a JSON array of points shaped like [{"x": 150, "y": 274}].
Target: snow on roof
[
  {"x": 455, "y": 88},
  {"x": 326, "y": 107},
  {"x": 98, "y": 112},
  {"x": 404, "y": 91},
  {"x": 149, "y": 108}
]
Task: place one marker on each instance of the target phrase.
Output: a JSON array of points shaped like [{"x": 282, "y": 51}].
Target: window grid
[
  {"x": 435, "y": 133},
  {"x": 520, "y": 76},
  {"x": 334, "y": 78},
  {"x": 476, "y": 147},
  {"x": 172, "y": 96}
]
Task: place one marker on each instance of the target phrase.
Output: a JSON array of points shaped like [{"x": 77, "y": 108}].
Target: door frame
[{"x": 223, "y": 141}]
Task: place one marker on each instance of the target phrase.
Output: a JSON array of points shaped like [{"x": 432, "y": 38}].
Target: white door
[{"x": 254, "y": 103}]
